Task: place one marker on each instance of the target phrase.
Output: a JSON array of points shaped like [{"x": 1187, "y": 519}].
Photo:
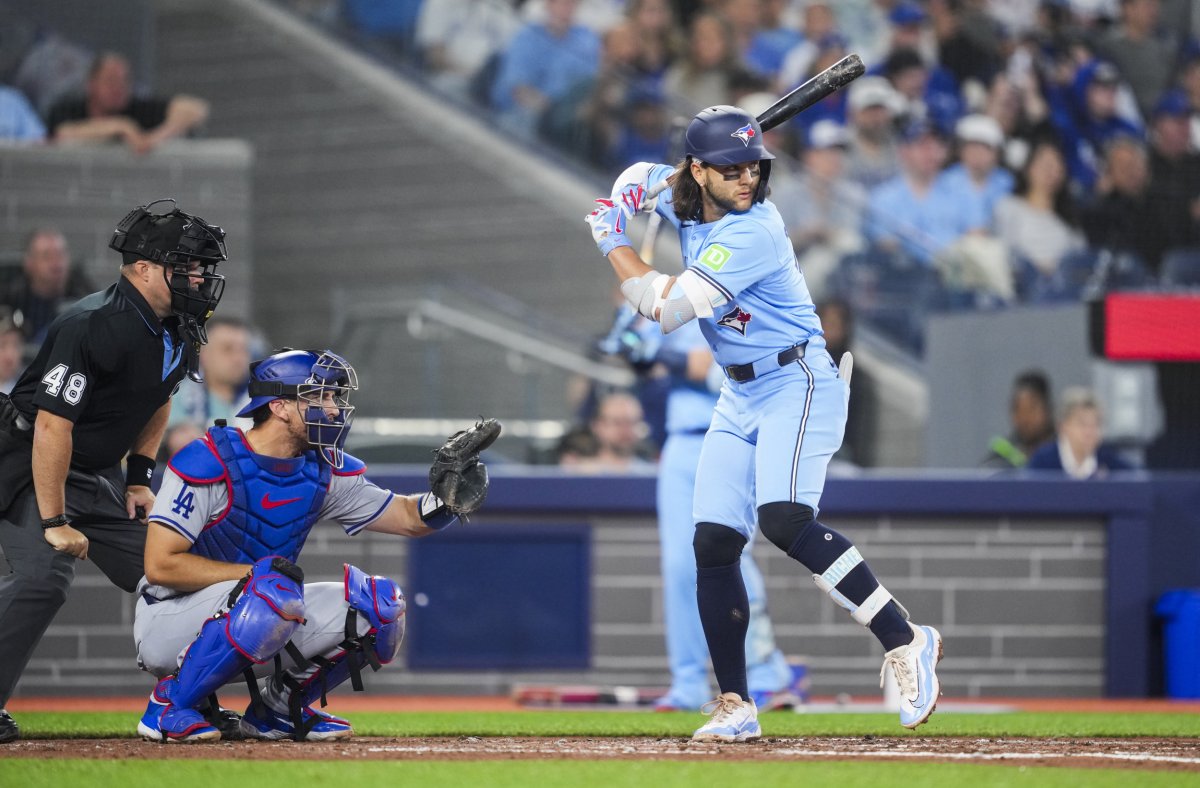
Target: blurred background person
[
  {"x": 109, "y": 110},
  {"x": 19, "y": 122},
  {"x": 12, "y": 349},
  {"x": 225, "y": 364},
  {"x": 859, "y": 443},
  {"x": 47, "y": 283},
  {"x": 1030, "y": 419},
  {"x": 621, "y": 435},
  {"x": 977, "y": 176},
  {"x": 460, "y": 42},
  {"x": 873, "y": 155},
  {"x": 1080, "y": 451},
  {"x": 822, "y": 209},
  {"x": 1038, "y": 222},
  {"x": 704, "y": 75}
]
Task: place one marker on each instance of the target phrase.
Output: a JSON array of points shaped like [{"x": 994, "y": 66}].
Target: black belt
[{"x": 742, "y": 373}]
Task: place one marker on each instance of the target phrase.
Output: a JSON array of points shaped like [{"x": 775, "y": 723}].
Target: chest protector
[{"x": 273, "y": 503}]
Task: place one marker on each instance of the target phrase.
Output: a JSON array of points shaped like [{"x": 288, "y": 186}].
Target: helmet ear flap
[{"x": 763, "y": 190}]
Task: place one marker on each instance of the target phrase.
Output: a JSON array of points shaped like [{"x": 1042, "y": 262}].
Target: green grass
[
  {"x": 583, "y": 723},
  {"x": 546, "y": 774}
]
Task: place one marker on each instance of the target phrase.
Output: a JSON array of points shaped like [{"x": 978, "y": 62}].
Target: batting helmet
[
  {"x": 177, "y": 241},
  {"x": 320, "y": 382},
  {"x": 725, "y": 135}
]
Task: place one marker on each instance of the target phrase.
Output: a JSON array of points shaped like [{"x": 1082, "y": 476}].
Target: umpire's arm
[
  {"x": 140, "y": 496},
  {"x": 53, "y": 442}
]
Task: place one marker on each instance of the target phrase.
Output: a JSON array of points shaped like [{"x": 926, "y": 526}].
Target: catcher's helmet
[
  {"x": 320, "y": 382},
  {"x": 177, "y": 241},
  {"x": 725, "y": 135}
]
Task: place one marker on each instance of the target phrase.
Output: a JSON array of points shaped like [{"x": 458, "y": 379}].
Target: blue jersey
[{"x": 748, "y": 258}]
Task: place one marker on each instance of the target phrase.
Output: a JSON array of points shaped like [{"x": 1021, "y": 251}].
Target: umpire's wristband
[
  {"x": 55, "y": 522},
  {"x": 435, "y": 514},
  {"x": 139, "y": 470}
]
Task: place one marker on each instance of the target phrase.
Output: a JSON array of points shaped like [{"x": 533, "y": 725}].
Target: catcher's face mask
[{"x": 324, "y": 404}]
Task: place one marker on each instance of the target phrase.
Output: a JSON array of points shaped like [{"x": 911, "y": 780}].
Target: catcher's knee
[
  {"x": 269, "y": 607},
  {"x": 784, "y": 522},
  {"x": 380, "y": 602},
  {"x": 717, "y": 545}
]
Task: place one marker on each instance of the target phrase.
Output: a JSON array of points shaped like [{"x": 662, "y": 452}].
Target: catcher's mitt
[{"x": 457, "y": 476}]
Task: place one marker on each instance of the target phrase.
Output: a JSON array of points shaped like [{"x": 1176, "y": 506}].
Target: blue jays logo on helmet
[{"x": 745, "y": 133}]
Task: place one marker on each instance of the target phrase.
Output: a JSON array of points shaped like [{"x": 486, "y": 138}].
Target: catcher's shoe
[
  {"x": 274, "y": 725},
  {"x": 9, "y": 731},
  {"x": 733, "y": 719},
  {"x": 914, "y": 666},
  {"x": 163, "y": 722}
]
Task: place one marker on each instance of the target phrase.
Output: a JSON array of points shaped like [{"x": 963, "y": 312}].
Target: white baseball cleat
[
  {"x": 733, "y": 719},
  {"x": 914, "y": 666}
]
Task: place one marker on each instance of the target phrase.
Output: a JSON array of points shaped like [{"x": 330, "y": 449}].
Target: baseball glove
[{"x": 457, "y": 476}]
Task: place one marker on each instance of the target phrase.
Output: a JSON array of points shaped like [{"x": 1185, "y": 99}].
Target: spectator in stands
[
  {"x": 1037, "y": 222},
  {"x": 968, "y": 42},
  {"x": 1121, "y": 219},
  {"x": 661, "y": 39},
  {"x": 873, "y": 155},
  {"x": 543, "y": 62},
  {"x": 797, "y": 64},
  {"x": 830, "y": 50},
  {"x": 620, "y": 433},
  {"x": 1086, "y": 117},
  {"x": 703, "y": 76},
  {"x": 18, "y": 120},
  {"x": 862, "y": 420},
  {"x": 577, "y": 449},
  {"x": 47, "y": 283},
  {"x": 109, "y": 111},
  {"x": 1174, "y": 192},
  {"x": 176, "y": 437},
  {"x": 978, "y": 177},
  {"x": 1029, "y": 414},
  {"x": 1080, "y": 451},
  {"x": 821, "y": 207},
  {"x": 461, "y": 40},
  {"x": 1189, "y": 81},
  {"x": 909, "y": 214},
  {"x": 1143, "y": 54},
  {"x": 12, "y": 349},
  {"x": 930, "y": 92},
  {"x": 772, "y": 41},
  {"x": 392, "y": 23},
  {"x": 224, "y": 363}
]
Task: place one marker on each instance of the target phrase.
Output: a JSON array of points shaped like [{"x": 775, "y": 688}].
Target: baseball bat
[{"x": 834, "y": 78}]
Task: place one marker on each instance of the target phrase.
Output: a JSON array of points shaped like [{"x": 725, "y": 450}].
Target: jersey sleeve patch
[{"x": 715, "y": 257}]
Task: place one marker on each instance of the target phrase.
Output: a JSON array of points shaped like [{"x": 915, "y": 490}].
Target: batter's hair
[{"x": 687, "y": 197}]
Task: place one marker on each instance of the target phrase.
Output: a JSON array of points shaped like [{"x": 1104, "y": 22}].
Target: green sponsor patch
[{"x": 715, "y": 257}]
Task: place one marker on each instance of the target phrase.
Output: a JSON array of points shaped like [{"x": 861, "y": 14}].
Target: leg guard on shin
[
  {"x": 264, "y": 611},
  {"x": 837, "y": 566},
  {"x": 380, "y": 602}
]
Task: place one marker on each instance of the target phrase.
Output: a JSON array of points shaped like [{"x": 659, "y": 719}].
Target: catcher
[{"x": 223, "y": 597}]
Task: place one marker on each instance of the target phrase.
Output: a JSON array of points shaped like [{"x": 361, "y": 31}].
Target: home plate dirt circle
[{"x": 1137, "y": 753}]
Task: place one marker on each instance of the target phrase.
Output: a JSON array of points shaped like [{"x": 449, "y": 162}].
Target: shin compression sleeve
[
  {"x": 724, "y": 607},
  {"x": 838, "y": 569}
]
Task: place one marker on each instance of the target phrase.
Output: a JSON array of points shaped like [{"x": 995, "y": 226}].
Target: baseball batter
[
  {"x": 223, "y": 597},
  {"x": 781, "y": 412}
]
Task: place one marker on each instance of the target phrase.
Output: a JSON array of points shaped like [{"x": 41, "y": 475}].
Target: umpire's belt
[{"x": 743, "y": 373}]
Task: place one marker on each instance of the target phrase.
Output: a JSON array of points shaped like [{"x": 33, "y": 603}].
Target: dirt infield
[{"x": 1154, "y": 754}]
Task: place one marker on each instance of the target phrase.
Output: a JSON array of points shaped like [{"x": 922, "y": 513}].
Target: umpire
[{"x": 99, "y": 389}]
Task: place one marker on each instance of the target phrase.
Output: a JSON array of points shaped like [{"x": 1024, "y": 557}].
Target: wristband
[
  {"x": 139, "y": 470},
  {"x": 55, "y": 522},
  {"x": 435, "y": 514}
]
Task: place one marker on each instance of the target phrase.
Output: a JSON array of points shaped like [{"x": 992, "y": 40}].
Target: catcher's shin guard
[
  {"x": 380, "y": 601},
  {"x": 269, "y": 607}
]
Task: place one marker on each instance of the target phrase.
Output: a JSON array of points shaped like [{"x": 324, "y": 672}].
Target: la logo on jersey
[
  {"x": 735, "y": 319},
  {"x": 745, "y": 134}
]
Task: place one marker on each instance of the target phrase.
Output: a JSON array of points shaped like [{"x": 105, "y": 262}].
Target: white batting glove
[
  {"x": 608, "y": 222},
  {"x": 634, "y": 175}
]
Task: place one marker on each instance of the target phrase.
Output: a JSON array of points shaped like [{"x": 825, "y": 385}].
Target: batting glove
[
  {"x": 608, "y": 223},
  {"x": 634, "y": 175}
]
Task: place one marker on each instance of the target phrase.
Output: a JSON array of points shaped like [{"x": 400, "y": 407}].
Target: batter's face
[{"x": 726, "y": 188}]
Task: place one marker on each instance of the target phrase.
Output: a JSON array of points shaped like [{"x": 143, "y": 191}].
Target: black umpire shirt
[{"x": 107, "y": 365}]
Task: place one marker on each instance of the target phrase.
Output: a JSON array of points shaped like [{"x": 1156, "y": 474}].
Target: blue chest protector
[{"x": 273, "y": 503}]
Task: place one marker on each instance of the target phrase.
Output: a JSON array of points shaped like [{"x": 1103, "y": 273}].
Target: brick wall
[{"x": 1020, "y": 605}]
